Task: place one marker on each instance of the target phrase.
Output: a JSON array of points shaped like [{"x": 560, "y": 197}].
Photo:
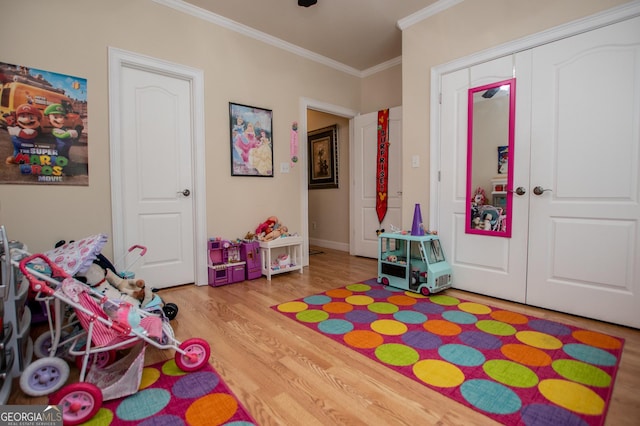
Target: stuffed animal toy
[
  {"x": 271, "y": 229},
  {"x": 266, "y": 227},
  {"x": 129, "y": 291},
  {"x": 113, "y": 286},
  {"x": 483, "y": 216},
  {"x": 131, "y": 287},
  {"x": 95, "y": 278}
]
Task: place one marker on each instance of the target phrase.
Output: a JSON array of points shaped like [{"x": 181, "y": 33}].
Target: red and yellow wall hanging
[{"x": 382, "y": 171}]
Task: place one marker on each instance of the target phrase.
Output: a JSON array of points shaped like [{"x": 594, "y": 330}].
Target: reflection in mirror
[{"x": 490, "y": 149}]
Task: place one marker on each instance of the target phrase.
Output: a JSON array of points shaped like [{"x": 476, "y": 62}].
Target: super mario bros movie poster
[{"x": 43, "y": 127}]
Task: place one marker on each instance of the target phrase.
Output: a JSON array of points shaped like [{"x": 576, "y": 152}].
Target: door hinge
[
  {"x": 440, "y": 98},
  {"x": 438, "y": 175}
]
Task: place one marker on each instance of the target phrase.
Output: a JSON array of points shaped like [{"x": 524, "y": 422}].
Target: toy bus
[{"x": 412, "y": 262}]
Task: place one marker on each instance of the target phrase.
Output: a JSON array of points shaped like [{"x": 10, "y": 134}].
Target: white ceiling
[{"x": 360, "y": 34}]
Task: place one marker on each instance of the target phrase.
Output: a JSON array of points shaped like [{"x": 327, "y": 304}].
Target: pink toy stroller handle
[
  {"x": 37, "y": 285},
  {"x": 143, "y": 248}
]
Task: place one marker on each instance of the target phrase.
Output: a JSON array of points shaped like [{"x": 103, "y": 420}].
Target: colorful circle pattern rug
[
  {"x": 169, "y": 396},
  {"x": 516, "y": 369}
]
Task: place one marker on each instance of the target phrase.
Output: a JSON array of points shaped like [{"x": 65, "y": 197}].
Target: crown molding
[
  {"x": 229, "y": 24},
  {"x": 427, "y": 12},
  {"x": 381, "y": 67}
]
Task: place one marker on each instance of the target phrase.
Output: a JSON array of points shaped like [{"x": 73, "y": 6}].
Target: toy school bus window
[
  {"x": 393, "y": 254},
  {"x": 388, "y": 244},
  {"x": 435, "y": 252},
  {"x": 392, "y": 249}
]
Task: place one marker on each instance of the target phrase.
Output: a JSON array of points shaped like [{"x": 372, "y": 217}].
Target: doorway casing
[
  {"x": 119, "y": 59},
  {"x": 306, "y": 104}
]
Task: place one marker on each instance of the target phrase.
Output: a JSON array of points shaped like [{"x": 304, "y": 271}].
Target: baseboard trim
[{"x": 335, "y": 245}]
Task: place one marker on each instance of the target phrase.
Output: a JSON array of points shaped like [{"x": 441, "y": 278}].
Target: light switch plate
[{"x": 284, "y": 167}]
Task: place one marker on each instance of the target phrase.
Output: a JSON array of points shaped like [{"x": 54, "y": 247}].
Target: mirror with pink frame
[{"x": 490, "y": 151}]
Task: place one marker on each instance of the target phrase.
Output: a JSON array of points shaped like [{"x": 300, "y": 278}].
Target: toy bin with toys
[{"x": 413, "y": 262}]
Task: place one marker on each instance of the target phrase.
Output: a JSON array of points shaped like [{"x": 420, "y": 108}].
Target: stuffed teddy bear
[
  {"x": 94, "y": 277},
  {"x": 107, "y": 282},
  {"x": 131, "y": 287}
]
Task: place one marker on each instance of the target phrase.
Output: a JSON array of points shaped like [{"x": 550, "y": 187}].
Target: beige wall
[
  {"x": 72, "y": 37},
  {"x": 469, "y": 27},
  {"x": 243, "y": 70},
  {"x": 329, "y": 208},
  {"x": 382, "y": 90}
]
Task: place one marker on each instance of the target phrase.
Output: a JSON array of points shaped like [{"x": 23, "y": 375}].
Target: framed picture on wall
[
  {"x": 251, "y": 140},
  {"x": 503, "y": 160},
  {"x": 323, "y": 157}
]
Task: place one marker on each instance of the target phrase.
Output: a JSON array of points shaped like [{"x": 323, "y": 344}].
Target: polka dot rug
[
  {"x": 514, "y": 368},
  {"x": 169, "y": 396}
]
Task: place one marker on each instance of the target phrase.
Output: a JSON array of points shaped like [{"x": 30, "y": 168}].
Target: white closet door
[
  {"x": 585, "y": 153},
  {"x": 490, "y": 265}
]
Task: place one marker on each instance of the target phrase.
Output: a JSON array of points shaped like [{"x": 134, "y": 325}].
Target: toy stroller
[{"x": 107, "y": 326}]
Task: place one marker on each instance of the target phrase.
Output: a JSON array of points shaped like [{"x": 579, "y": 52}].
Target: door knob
[
  {"x": 538, "y": 190},
  {"x": 519, "y": 191},
  {"x": 186, "y": 192}
]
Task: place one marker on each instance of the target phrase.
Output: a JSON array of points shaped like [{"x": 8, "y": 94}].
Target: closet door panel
[
  {"x": 490, "y": 265},
  {"x": 585, "y": 155}
]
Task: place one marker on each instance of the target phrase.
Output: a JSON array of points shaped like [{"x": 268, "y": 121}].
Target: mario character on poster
[{"x": 43, "y": 127}]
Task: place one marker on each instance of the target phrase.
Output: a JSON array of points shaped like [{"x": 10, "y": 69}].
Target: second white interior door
[{"x": 365, "y": 148}]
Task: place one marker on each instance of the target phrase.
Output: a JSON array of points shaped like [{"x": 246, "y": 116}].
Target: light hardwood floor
[{"x": 286, "y": 374}]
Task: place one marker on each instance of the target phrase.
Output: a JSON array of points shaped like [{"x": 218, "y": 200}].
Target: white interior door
[
  {"x": 490, "y": 265},
  {"x": 585, "y": 153},
  {"x": 156, "y": 151},
  {"x": 365, "y": 148}
]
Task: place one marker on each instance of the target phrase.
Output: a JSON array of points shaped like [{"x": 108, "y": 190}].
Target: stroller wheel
[
  {"x": 79, "y": 401},
  {"x": 42, "y": 345},
  {"x": 196, "y": 355},
  {"x": 44, "y": 376},
  {"x": 170, "y": 310}
]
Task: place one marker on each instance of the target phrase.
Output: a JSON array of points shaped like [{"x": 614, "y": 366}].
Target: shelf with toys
[
  {"x": 283, "y": 254},
  {"x": 280, "y": 250}
]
